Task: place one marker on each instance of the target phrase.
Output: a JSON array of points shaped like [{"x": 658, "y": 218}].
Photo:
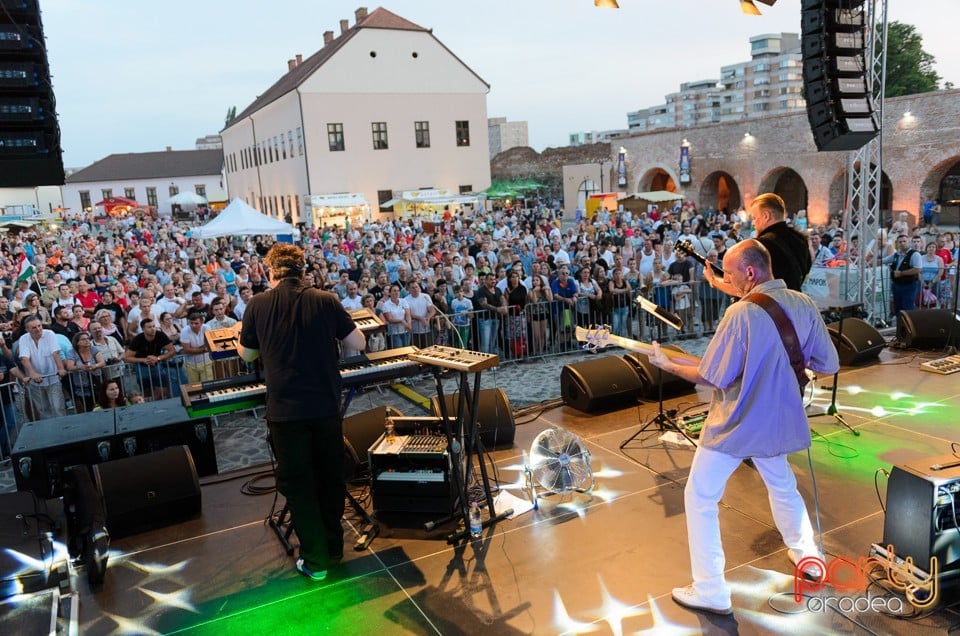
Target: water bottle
[
  {"x": 390, "y": 431},
  {"x": 476, "y": 523}
]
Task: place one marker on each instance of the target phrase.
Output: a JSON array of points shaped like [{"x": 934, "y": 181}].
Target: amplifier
[
  {"x": 921, "y": 520},
  {"x": 411, "y": 473}
]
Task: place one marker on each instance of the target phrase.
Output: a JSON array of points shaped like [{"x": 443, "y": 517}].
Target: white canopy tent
[{"x": 239, "y": 219}]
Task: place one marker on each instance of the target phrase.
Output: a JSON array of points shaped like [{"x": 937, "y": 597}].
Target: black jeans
[{"x": 310, "y": 475}]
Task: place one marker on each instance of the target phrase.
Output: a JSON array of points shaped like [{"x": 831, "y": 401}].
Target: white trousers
[{"x": 708, "y": 479}]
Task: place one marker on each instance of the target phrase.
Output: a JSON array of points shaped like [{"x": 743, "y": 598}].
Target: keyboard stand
[{"x": 463, "y": 445}]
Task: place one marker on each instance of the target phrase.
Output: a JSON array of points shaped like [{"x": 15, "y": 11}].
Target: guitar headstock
[
  {"x": 685, "y": 247},
  {"x": 593, "y": 338}
]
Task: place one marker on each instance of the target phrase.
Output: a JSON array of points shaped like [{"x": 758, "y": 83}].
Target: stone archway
[
  {"x": 657, "y": 179},
  {"x": 789, "y": 185},
  {"x": 839, "y": 198},
  {"x": 943, "y": 184},
  {"x": 720, "y": 191}
]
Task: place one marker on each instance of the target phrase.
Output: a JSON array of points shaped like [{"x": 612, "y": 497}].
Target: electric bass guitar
[
  {"x": 598, "y": 338},
  {"x": 686, "y": 248}
]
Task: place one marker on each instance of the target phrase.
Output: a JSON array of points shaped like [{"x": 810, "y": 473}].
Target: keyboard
[{"x": 942, "y": 366}]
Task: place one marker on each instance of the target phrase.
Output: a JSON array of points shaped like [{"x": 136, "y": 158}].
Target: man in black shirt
[
  {"x": 789, "y": 249},
  {"x": 62, "y": 324},
  {"x": 150, "y": 351},
  {"x": 294, "y": 330}
]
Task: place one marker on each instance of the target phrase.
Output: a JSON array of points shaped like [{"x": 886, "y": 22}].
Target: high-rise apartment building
[
  {"x": 505, "y": 135},
  {"x": 770, "y": 82}
]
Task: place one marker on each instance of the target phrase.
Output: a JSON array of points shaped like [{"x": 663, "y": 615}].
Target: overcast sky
[{"x": 132, "y": 76}]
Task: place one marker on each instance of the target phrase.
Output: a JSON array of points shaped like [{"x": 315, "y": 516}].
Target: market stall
[{"x": 336, "y": 210}]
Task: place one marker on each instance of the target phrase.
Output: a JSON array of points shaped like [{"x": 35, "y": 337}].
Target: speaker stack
[
  {"x": 30, "y": 153},
  {"x": 651, "y": 376},
  {"x": 835, "y": 74}
]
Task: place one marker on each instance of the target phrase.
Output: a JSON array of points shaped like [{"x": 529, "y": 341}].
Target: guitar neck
[
  {"x": 689, "y": 250},
  {"x": 644, "y": 348}
]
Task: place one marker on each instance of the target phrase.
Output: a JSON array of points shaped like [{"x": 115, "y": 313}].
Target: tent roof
[
  {"x": 657, "y": 196},
  {"x": 239, "y": 219}
]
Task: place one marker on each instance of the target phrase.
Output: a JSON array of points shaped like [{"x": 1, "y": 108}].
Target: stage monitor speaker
[
  {"x": 599, "y": 384},
  {"x": 149, "y": 491},
  {"x": 495, "y": 421},
  {"x": 928, "y": 328},
  {"x": 920, "y": 519},
  {"x": 360, "y": 431},
  {"x": 153, "y": 426},
  {"x": 649, "y": 375},
  {"x": 861, "y": 343}
]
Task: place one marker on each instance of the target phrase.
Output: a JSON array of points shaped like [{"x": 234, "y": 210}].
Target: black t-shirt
[
  {"x": 682, "y": 267},
  {"x": 68, "y": 330},
  {"x": 6, "y": 393},
  {"x": 295, "y": 328},
  {"x": 789, "y": 253},
  {"x": 494, "y": 297},
  {"x": 142, "y": 347}
]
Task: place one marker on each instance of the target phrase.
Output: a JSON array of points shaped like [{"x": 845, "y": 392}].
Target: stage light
[
  {"x": 748, "y": 7},
  {"x": 606, "y": 4}
]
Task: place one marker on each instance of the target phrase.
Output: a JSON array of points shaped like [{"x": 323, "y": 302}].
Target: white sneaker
[
  {"x": 811, "y": 571},
  {"x": 688, "y": 597}
]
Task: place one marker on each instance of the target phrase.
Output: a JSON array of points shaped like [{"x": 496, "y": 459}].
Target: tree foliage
[
  {"x": 231, "y": 115},
  {"x": 909, "y": 67}
]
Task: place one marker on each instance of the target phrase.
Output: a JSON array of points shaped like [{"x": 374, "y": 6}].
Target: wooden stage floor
[{"x": 599, "y": 563}]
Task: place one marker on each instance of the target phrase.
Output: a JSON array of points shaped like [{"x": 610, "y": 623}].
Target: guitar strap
[{"x": 788, "y": 335}]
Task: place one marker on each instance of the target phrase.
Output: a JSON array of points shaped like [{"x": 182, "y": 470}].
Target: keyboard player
[{"x": 294, "y": 330}]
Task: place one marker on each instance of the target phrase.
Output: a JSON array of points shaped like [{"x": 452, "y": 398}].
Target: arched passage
[
  {"x": 789, "y": 185},
  {"x": 657, "y": 179},
  {"x": 584, "y": 190},
  {"x": 840, "y": 197},
  {"x": 943, "y": 184},
  {"x": 720, "y": 192}
]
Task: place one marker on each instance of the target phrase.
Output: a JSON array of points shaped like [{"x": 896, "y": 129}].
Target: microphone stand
[{"x": 661, "y": 420}]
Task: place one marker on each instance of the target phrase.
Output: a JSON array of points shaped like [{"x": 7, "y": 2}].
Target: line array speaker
[
  {"x": 835, "y": 71},
  {"x": 30, "y": 153},
  {"x": 860, "y": 344},
  {"x": 928, "y": 328},
  {"x": 599, "y": 384},
  {"x": 495, "y": 421}
]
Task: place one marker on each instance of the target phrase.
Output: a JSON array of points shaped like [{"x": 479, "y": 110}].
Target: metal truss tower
[{"x": 862, "y": 216}]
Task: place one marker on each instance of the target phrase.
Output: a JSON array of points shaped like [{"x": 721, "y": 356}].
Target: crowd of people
[{"x": 140, "y": 291}]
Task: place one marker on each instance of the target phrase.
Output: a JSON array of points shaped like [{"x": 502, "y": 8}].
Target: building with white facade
[
  {"x": 382, "y": 108},
  {"x": 149, "y": 178},
  {"x": 504, "y": 135},
  {"x": 209, "y": 142},
  {"x": 587, "y": 137},
  {"x": 771, "y": 82}
]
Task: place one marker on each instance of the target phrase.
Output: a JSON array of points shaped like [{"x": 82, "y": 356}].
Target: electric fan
[{"x": 559, "y": 462}]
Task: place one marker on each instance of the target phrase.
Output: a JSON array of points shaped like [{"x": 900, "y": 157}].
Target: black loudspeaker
[
  {"x": 835, "y": 71},
  {"x": 599, "y": 384},
  {"x": 928, "y": 328},
  {"x": 650, "y": 376},
  {"x": 148, "y": 491},
  {"x": 30, "y": 153},
  {"x": 920, "y": 520},
  {"x": 44, "y": 449},
  {"x": 495, "y": 421},
  {"x": 360, "y": 431},
  {"x": 153, "y": 426},
  {"x": 861, "y": 343}
]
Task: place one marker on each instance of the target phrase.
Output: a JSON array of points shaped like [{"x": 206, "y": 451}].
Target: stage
[{"x": 602, "y": 562}]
